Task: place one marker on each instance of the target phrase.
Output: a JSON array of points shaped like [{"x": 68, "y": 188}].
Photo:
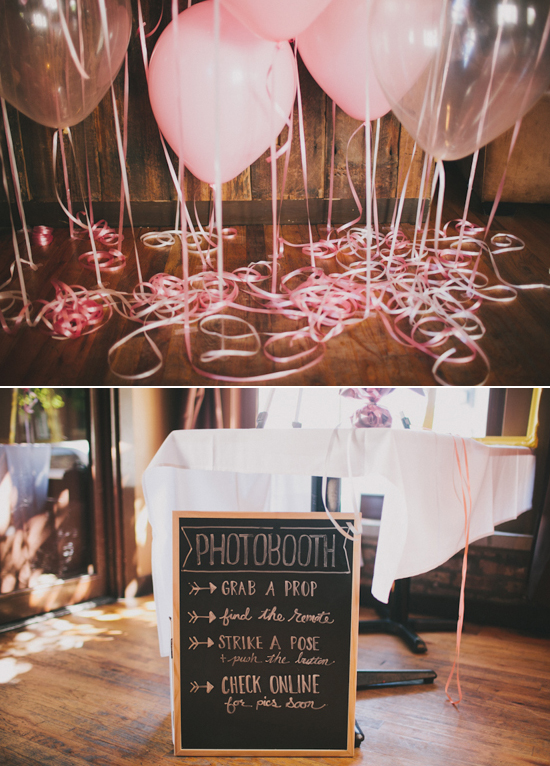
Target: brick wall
[{"x": 494, "y": 574}]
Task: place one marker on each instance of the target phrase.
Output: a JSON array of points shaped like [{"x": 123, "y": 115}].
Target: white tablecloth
[{"x": 257, "y": 470}]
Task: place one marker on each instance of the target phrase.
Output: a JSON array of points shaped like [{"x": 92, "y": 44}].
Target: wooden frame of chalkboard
[{"x": 265, "y": 633}]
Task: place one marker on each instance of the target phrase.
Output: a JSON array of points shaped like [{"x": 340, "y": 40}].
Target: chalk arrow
[
  {"x": 194, "y": 642},
  {"x": 196, "y": 588},
  {"x": 195, "y": 687},
  {"x": 193, "y": 616}
]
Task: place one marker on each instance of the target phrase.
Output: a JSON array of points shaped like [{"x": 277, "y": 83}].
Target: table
[{"x": 257, "y": 470}]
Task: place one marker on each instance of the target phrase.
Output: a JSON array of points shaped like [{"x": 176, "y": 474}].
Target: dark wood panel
[
  {"x": 36, "y": 143},
  {"x": 390, "y": 159},
  {"x": 235, "y": 212},
  {"x": 314, "y": 103},
  {"x": 15, "y": 129}
]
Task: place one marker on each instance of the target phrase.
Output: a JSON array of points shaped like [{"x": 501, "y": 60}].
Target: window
[
  {"x": 460, "y": 411},
  {"x": 495, "y": 415},
  {"x": 52, "y": 494}
]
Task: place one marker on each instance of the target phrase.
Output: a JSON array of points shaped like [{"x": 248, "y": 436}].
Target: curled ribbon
[
  {"x": 74, "y": 311},
  {"x": 42, "y": 235},
  {"x": 113, "y": 260},
  {"x": 100, "y": 231},
  {"x": 427, "y": 297}
]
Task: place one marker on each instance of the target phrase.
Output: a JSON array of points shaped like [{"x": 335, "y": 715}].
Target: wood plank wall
[{"x": 246, "y": 198}]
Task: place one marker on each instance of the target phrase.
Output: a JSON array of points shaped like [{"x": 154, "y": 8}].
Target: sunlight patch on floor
[
  {"x": 10, "y": 668},
  {"x": 72, "y": 632}
]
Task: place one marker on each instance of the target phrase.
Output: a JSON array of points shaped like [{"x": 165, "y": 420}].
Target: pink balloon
[
  {"x": 336, "y": 52},
  {"x": 256, "y": 91},
  {"x": 39, "y": 74},
  {"x": 276, "y": 19}
]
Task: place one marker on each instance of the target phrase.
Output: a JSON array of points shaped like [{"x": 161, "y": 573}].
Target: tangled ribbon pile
[{"x": 427, "y": 296}]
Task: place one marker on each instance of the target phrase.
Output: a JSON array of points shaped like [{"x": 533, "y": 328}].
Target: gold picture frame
[{"x": 530, "y": 437}]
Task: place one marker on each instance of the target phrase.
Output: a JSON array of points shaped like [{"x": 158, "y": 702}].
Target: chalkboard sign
[{"x": 265, "y": 634}]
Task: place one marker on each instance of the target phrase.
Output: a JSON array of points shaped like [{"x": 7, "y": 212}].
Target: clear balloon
[
  {"x": 276, "y": 19},
  {"x": 55, "y": 66},
  {"x": 335, "y": 50},
  {"x": 489, "y": 62},
  {"x": 256, "y": 91}
]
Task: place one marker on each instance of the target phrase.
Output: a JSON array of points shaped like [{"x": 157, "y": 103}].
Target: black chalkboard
[{"x": 265, "y": 634}]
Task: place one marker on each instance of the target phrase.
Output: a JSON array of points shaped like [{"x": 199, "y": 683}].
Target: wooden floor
[
  {"x": 90, "y": 688},
  {"x": 517, "y": 339}
]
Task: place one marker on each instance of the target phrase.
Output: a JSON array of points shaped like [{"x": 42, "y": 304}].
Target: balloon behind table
[
  {"x": 490, "y": 63},
  {"x": 56, "y": 69}
]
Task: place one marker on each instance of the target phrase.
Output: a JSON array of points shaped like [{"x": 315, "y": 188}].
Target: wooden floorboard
[
  {"x": 91, "y": 688},
  {"x": 517, "y": 338}
]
